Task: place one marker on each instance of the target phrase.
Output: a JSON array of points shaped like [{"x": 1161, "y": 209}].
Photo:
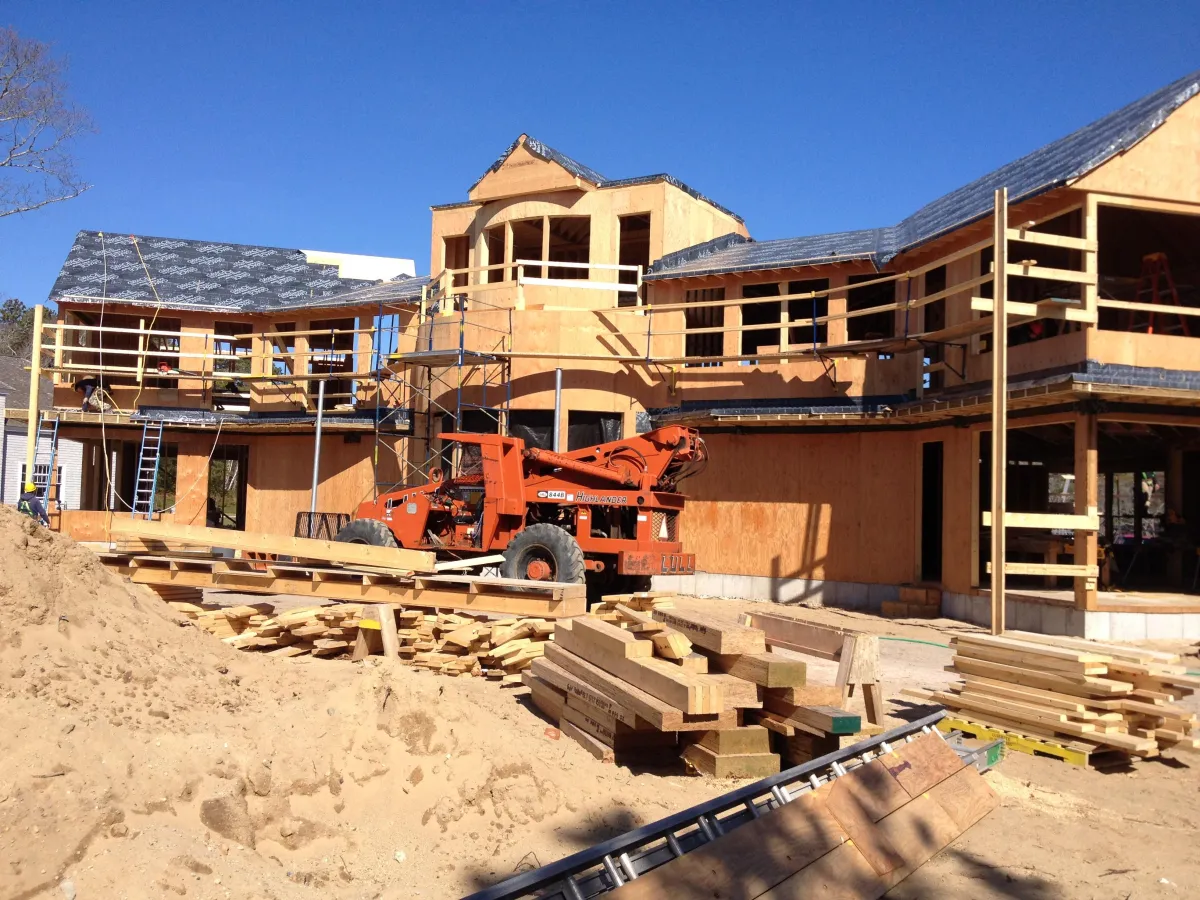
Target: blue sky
[{"x": 335, "y": 126}]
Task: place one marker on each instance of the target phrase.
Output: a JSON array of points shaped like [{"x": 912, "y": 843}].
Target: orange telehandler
[{"x": 608, "y": 513}]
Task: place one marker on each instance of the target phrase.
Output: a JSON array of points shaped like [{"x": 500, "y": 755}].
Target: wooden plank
[
  {"x": 611, "y": 639},
  {"x": 808, "y": 695},
  {"x": 1081, "y": 685},
  {"x": 592, "y": 745},
  {"x": 807, "y": 637},
  {"x": 671, "y": 645},
  {"x": 965, "y": 797},
  {"x": 738, "y": 694},
  {"x": 573, "y": 686},
  {"x": 545, "y": 697},
  {"x": 841, "y": 874},
  {"x": 1062, "y": 521},
  {"x": 1026, "y": 648},
  {"x": 430, "y": 594},
  {"x": 304, "y": 548},
  {"x": 920, "y": 764},
  {"x": 828, "y": 719},
  {"x": 917, "y": 831},
  {"x": 1065, "y": 702},
  {"x": 732, "y": 765},
  {"x": 999, "y": 435},
  {"x": 747, "y": 861},
  {"x": 1064, "y": 569},
  {"x": 386, "y": 616},
  {"x": 847, "y": 808},
  {"x": 659, "y": 714},
  {"x": 711, "y": 633},
  {"x": 746, "y": 739},
  {"x": 1117, "y": 651},
  {"x": 764, "y": 669},
  {"x": 1031, "y": 661},
  {"x": 655, "y": 676},
  {"x": 1028, "y": 236},
  {"x": 1049, "y": 274}
]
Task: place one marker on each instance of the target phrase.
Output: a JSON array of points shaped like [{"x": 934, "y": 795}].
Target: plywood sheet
[
  {"x": 841, "y": 874},
  {"x": 920, "y": 765}
]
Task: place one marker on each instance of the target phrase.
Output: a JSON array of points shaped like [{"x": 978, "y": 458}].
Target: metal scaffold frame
[{"x": 452, "y": 356}]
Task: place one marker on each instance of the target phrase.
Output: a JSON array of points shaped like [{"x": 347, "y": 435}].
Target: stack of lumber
[
  {"x": 1101, "y": 697},
  {"x": 317, "y": 630},
  {"x": 453, "y": 643},
  {"x": 642, "y": 685}
]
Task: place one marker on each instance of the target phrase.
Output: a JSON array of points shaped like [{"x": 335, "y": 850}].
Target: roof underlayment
[
  {"x": 1054, "y": 165},
  {"x": 209, "y": 276}
]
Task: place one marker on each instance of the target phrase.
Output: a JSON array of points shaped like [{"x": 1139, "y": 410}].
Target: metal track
[{"x": 606, "y": 866}]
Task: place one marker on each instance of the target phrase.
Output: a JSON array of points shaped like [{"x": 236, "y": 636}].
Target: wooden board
[
  {"x": 573, "y": 686},
  {"x": 1081, "y": 685},
  {"x": 731, "y": 765},
  {"x": 746, "y": 739},
  {"x": 687, "y": 693},
  {"x": 828, "y": 719},
  {"x": 808, "y": 695},
  {"x": 661, "y": 715},
  {"x": 302, "y": 548},
  {"x": 764, "y": 669},
  {"x": 875, "y": 790},
  {"x": 805, "y": 637},
  {"x": 592, "y": 745},
  {"x": 916, "y": 832},
  {"x": 846, "y": 807},
  {"x": 738, "y": 694},
  {"x": 712, "y": 633},
  {"x": 611, "y": 639},
  {"x": 545, "y": 697},
  {"x": 920, "y": 764},
  {"x": 965, "y": 797},
  {"x": 749, "y": 860},
  {"x": 841, "y": 874}
]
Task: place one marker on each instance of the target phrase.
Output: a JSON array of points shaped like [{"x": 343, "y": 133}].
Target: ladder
[
  {"x": 147, "y": 472},
  {"x": 45, "y": 454},
  {"x": 606, "y": 866}
]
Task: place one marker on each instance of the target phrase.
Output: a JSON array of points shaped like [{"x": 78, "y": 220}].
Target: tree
[
  {"x": 38, "y": 126},
  {"x": 16, "y": 329}
]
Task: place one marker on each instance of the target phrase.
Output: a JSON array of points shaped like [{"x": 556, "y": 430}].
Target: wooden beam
[
  {"x": 1044, "y": 272},
  {"x": 1051, "y": 240},
  {"x": 1023, "y": 568},
  {"x": 999, "y": 405},
  {"x": 1087, "y": 499},
  {"x": 1085, "y": 522},
  {"x": 387, "y": 630},
  {"x": 764, "y": 669},
  {"x": 303, "y": 548},
  {"x": 1045, "y": 309},
  {"x": 804, "y": 637},
  {"x": 712, "y": 633}
]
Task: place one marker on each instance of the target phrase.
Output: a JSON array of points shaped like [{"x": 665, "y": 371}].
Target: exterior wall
[{"x": 70, "y": 455}]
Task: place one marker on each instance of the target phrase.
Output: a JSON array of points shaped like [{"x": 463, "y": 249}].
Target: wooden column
[
  {"x": 35, "y": 375},
  {"x": 545, "y": 245},
  {"x": 510, "y": 273},
  {"x": 1087, "y": 482},
  {"x": 999, "y": 409},
  {"x": 836, "y": 330}
]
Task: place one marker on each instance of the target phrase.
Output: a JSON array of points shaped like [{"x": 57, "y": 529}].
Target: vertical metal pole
[
  {"x": 312, "y": 503},
  {"x": 35, "y": 375},
  {"x": 999, "y": 405},
  {"x": 557, "y": 409}
]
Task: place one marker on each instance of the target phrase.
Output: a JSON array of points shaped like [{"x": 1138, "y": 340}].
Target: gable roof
[
  {"x": 14, "y": 385},
  {"x": 1054, "y": 165},
  {"x": 205, "y": 276},
  {"x": 588, "y": 174}
]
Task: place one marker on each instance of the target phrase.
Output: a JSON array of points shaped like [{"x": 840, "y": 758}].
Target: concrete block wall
[
  {"x": 1044, "y": 618},
  {"x": 811, "y": 593}
]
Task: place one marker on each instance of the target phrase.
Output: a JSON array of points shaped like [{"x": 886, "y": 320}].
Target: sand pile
[{"x": 144, "y": 758}]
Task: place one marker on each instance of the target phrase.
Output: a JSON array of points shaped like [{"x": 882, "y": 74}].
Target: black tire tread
[
  {"x": 562, "y": 546},
  {"x": 367, "y": 531}
]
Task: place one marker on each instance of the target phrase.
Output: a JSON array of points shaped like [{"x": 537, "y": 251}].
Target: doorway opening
[
  {"x": 227, "y": 475},
  {"x": 932, "y": 455}
]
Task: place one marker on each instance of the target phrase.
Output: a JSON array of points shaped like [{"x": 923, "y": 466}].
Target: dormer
[{"x": 530, "y": 167}]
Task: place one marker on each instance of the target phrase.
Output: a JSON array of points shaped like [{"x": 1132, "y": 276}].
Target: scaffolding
[{"x": 456, "y": 377}]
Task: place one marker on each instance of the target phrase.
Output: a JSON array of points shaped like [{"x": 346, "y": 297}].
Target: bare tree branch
[{"x": 38, "y": 126}]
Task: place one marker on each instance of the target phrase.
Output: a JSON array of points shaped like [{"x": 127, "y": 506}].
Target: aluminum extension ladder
[
  {"x": 606, "y": 866},
  {"x": 45, "y": 456},
  {"x": 149, "y": 459}
]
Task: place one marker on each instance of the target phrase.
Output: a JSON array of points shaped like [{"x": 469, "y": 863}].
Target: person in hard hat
[
  {"x": 87, "y": 386},
  {"x": 31, "y": 505}
]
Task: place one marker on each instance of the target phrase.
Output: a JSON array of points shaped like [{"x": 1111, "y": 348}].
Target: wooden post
[
  {"x": 509, "y": 274},
  {"x": 35, "y": 374},
  {"x": 999, "y": 406},
  {"x": 520, "y": 287},
  {"x": 1087, "y": 483},
  {"x": 783, "y": 326},
  {"x": 387, "y": 630},
  {"x": 141, "y": 360},
  {"x": 545, "y": 245},
  {"x": 58, "y": 349}
]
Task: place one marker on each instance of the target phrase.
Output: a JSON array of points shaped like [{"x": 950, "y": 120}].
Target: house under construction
[{"x": 844, "y": 383}]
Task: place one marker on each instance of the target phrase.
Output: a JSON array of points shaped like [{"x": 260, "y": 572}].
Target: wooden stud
[
  {"x": 1087, "y": 498},
  {"x": 999, "y": 406}
]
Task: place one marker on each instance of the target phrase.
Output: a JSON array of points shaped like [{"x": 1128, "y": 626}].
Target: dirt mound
[{"x": 144, "y": 758}]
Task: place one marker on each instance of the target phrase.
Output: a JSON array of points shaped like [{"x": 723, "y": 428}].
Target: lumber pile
[
  {"x": 1101, "y": 697},
  {"x": 315, "y": 630},
  {"x": 638, "y": 682}
]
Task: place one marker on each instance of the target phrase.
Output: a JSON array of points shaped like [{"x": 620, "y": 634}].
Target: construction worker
[
  {"x": 31, "y": 505},
  {"x": 87, "y": 386}
]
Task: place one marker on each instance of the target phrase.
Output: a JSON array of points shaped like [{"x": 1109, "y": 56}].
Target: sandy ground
[{"x": 144, "y": 759}]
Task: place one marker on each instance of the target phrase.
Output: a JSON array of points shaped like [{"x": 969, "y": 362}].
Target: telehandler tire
[
  {"x": 367, "y": 531},
  {"x": 544, "y": 550}
]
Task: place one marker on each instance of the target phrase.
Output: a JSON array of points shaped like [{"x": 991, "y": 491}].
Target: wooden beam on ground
[
  {"x": 764, "y": 669},
  {"x": 302, "y": 548},
  {"x": 712, "y": 633},
  {"x": 804, "y": 637}
]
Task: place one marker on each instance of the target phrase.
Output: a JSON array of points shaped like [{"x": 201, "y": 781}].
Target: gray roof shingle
[
  {"x": 1051, "y": 166},
  {"x": 14, "y": 384},
  {"x": 206, "y": 276}
]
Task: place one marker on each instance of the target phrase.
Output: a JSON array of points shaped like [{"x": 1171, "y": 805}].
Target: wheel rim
[{"x": 537, "y": 564}]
